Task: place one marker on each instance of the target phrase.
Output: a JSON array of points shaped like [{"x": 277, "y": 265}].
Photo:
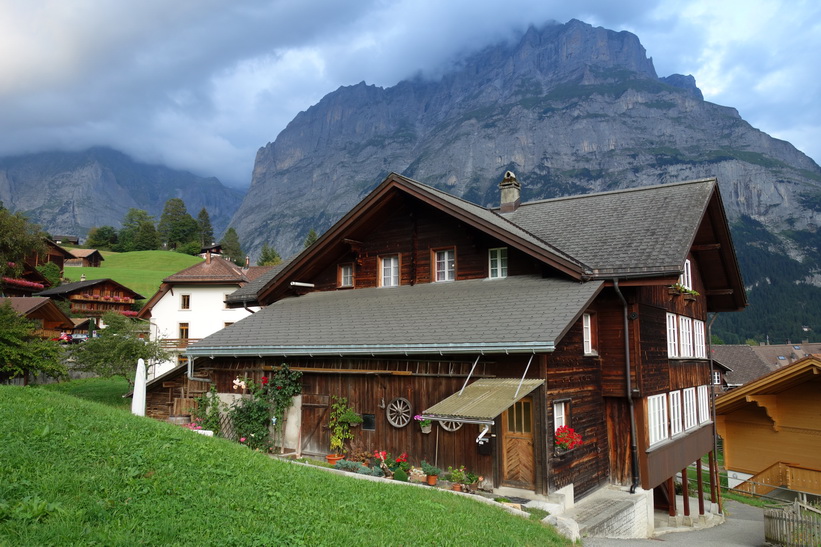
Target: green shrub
[{"x": 400, "y": 475}]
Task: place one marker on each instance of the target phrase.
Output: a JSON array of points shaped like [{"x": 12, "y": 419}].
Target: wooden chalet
[
  {"x": 89, "y": 258},
  {"x": 500, "y": 325},
  {"x": 51, "y": 320},
  {"x": 771, "y": 430},
  {"x": 93, "y": 298}
]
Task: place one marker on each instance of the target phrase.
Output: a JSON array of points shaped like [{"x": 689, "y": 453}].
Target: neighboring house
[
  {"x": 190, "y": 305},
  {"x": 779, "y": 355},
  {"x": 772, "y": 431},
  {"x": 53, "y": 253},
  {"x": 742, "y": 364},
  {"x": 95, "y": 297},
  {"x": 65, "y": 240},
  {"x": 30, "y": 281},
  {"x": 85, "y": 257},
  {"x": 415, "y": 293},
  {"x": 51, "y": 320}
]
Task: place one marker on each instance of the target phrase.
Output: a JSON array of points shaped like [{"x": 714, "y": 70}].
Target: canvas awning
[{"x": 482, "y": 401}]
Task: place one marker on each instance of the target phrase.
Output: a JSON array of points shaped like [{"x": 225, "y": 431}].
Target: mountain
[
  {"x": 571, "y": 109},
  {"x": 70, "y": 192}
]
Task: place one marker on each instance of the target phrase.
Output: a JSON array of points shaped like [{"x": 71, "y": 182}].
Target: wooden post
[
  {"x": 718, "y": 483},
  {"x": 685, "y": 491},
  {"x": 700, "y": 488},
  {"x": 712, "y": 477},
  {"x": 671, "y": 495}
]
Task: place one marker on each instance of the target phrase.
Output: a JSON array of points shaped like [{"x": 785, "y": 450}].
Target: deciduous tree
[
  {"x": 22, "y": 351},
  {"x": 102, "y": 237},
  {"x": 19, "y": 238}
]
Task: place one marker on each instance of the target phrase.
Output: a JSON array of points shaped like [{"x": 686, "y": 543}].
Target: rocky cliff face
[
  {"x": 570, "y": 108},
  {"x": 69, "y": 193}
]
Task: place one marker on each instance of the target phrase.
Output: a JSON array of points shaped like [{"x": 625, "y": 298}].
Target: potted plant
[
  {"x": 432, "y": 472},
  {"x": 424, "y": 423},
  {"x": 342, "y": 419},
  {"x": 457, "y": 477}
]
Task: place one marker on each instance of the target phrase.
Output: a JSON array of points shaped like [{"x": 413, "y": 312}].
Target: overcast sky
[{"x": 202, "y": 84}]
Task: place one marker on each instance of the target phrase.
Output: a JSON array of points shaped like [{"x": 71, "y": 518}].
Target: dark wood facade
[{"x": 601, "y": 390}]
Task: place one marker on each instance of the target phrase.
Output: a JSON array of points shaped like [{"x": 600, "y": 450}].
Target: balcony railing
[{"x": 177, "y": 343}]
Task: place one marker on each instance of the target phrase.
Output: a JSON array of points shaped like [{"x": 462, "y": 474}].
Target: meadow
[{"x": 75, "y": 471}]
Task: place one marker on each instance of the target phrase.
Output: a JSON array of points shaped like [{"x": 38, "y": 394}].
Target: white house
[{"x": 190, "y": 305}]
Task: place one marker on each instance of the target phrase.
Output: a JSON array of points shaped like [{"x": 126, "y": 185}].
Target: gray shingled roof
[
  {"x": 516, "y": 314},
  {"x": 635, "y": 231},
  {"x": 67, "y": 288},
  {"x": 745, "y": 364},
  {"x": 248, "y": 293}
]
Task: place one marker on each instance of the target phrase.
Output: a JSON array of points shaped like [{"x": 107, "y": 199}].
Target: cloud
[{"x": 202, "y": 84}]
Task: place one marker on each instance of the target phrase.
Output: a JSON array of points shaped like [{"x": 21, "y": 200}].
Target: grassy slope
[
  {"x": 108, "y": 391},
  {"x": 141, "y": 271},
  {"x": 78, "y": 472}
]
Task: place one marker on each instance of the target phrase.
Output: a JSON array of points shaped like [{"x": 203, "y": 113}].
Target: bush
[{"x": 400, "y": 475}]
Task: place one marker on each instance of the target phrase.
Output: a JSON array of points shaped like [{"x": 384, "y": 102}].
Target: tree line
[{"x": 175, "y": 230}]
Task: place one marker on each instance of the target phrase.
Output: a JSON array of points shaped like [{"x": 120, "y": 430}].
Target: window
[
  {"x": 369, "y": 422},
  {"x": 703, "y": 404},
  {"x": 589, "y": 333},
  {"x": 225, "y": 301},
  {"x": 675, "y": 413},
  {"x": 686, "y": 335},
  {"x": 699, "y": 338},
  {"x": 498, "y": 263},
  {"x": 185, "y": 301},
  {"x": 519, "y": 417},
  {"x": 183, "y": 331},
  {"x": 716, "y": 378},
  {"x": 445, "y": 265},
  {"x": 225, "y": 325},
  {"x": 690, "y": 419},
  {"x": 686, "y": 278},
  {"x": 559, "y": 414},
  {"x": 390, "y": 271},
  {"x": 657, "y": 418},
  {"x": 672, "y": 335},
  {"x": 346, "y": 275}
]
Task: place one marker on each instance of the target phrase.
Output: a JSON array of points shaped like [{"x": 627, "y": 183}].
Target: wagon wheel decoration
[
  {"x": 450, "y": 426},
  {"x": 399, "y": 412}
]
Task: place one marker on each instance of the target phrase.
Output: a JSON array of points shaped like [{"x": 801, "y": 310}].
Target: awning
[{"x": 482, "y": 401}]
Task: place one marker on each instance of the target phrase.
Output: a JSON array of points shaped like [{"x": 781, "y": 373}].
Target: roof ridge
[{"x": 618, "y": 191}]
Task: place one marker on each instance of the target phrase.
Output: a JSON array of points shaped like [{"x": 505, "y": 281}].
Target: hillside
[
  {"x": 142, "y": 271},
  {"x": 70, "y": 192},
  {"x": 75, "y": 472},
  {"x": 571, "y": 109}
]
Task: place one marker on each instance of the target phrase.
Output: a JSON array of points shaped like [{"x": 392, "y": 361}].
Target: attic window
[
  {"x": 497, "y": 267},
  {"x": 782, "y": 358},
  {"x": 445, "y": 265},
  {"x": 686, "y": 279}
]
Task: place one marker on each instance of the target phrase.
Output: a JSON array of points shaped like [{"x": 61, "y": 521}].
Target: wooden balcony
[{"x": 177, "y": 343}]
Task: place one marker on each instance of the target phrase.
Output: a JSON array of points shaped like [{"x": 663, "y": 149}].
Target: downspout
[
  {"x": 191, "y": 373},
  {"x": 634, "y": 456},
  {"x": 713, "y": 407}
]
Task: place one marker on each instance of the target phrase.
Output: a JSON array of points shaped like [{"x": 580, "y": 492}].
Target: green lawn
[
  {"x": 108, "y": 391},
  {"x": 77, "y": 472},
  {"x": 141, "y": 271}
]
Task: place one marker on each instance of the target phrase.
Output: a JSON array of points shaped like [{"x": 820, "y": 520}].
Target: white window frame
[
  {"x": 657, "y": 418},
  {"x": 559, "y": 414},
  {"x": 444, "y": 265},
  {"x": 676, "y": 423},
  {"x": 672, "y": 335},
  {"x": 699, "y": 339},
  {"x": 346, "y": 275},
  {"x": 703, "y": 404},
  {"x": 389, "y": 271},
  {"x": 716, "y": 377},
  {"x": 685, "y": 336},
  {"x": 690, "y": 410},
  {"x": 497, "y": 263},
  {"x": 587, "y": 333},
  {"x": 686, "y": 278}
]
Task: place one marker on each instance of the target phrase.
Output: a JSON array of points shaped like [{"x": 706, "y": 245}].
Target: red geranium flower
[{"x": 264, "y": 380}]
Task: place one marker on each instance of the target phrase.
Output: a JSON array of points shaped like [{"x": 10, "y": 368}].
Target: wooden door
[
  {"x": 517, "y": 445},
  {"x": 315, "y": 434}
]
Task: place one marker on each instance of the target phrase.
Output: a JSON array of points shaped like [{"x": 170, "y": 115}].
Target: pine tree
[
  {"x": 268, "y": 256},
  {"x": 232, "y": 248},
  {"x": 310, "y": 238},
  {"x": 132, "y": 222},
  {"x": 176, "y": 226},
  {"x": 205, "y": 229}
]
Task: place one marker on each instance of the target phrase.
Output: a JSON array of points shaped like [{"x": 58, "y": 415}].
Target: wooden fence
[{"x": 797, "y": 525}]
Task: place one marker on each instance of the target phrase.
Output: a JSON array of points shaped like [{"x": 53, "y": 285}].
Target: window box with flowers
[{"x": 566, "y": 439}]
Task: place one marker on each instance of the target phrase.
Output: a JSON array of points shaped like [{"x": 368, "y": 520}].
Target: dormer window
[
  {"x": 686, "y": 278},
  {"x": 497, "y": 266},
  {"x": 445, "y": 265},
  {"x": 346, "y": 275},
  {"x": 390, "y": 271}
]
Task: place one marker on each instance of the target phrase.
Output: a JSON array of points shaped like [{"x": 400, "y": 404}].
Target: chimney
[
  {"x": 511, "y": 193},
  {"x": 247, "y": 262}
]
